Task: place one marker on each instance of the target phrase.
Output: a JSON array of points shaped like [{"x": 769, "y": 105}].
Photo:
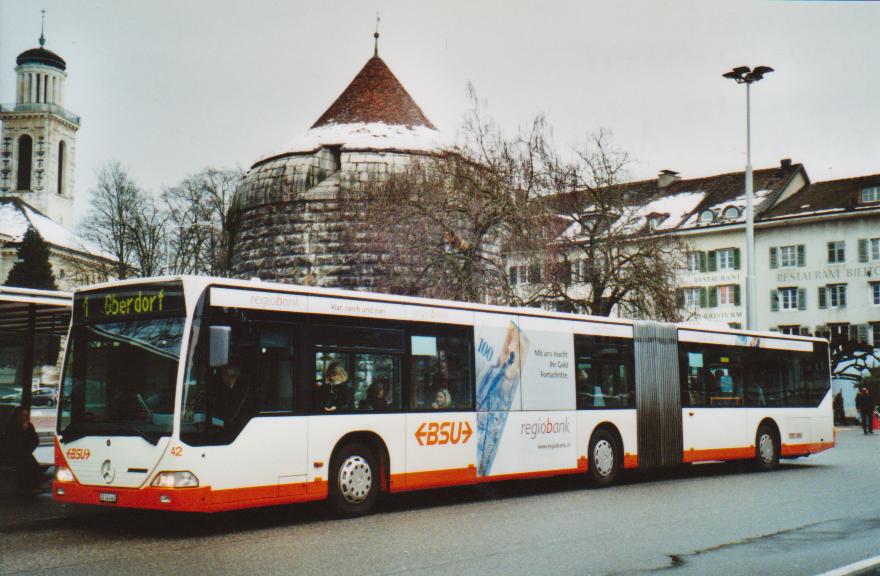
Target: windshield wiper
[{"x": 139, "y": 432}]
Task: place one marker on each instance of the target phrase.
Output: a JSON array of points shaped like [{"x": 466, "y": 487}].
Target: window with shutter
[
  {"x": 713, "y": 261},
  {"x": 801, "y": 255},
  {"x": 774, "y": 258},
  {"x": 863, "y": 250},
  {"x": 822, "y": 297},
  {"x": 774, "y": 301},
  {"x": 713, "y": 296}
]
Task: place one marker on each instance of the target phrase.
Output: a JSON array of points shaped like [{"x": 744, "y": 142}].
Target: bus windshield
[{"x": 119, "y": 377}]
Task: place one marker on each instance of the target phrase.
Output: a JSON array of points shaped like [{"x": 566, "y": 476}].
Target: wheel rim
[
  {"x": 766, "y": 448},
  {"x": 603, "y": 457},
  {"x": 355, "y": 479}
]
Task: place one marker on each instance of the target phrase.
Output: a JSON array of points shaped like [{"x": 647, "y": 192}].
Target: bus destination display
[{"x": 141, "y": 301}]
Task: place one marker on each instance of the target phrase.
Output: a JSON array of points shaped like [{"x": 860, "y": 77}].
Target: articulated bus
[{"x": 204, "y": 394}]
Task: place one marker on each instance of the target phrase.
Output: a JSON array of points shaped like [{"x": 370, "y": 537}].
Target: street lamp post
[{"x": 745, "y": 75}]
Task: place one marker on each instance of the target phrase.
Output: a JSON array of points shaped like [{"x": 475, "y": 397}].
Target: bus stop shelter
[{"x": 32, "y": 324}]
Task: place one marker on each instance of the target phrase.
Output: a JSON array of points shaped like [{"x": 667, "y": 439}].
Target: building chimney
[
  {"x": 667, "y": 177},
  {"x": 785, "y": 163}
]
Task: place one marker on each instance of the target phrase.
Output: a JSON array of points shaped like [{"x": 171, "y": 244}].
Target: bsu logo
[{"x": 431, "y": 433}]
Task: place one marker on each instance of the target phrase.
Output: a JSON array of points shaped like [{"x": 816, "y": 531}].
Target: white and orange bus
[{"x": 205, "y": 394}]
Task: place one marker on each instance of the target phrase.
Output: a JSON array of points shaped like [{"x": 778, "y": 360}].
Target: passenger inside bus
[
  {"x": 442, "y": 399},
  {"x": 334, "y": 391},
  {"x": 376, "y": 398}
]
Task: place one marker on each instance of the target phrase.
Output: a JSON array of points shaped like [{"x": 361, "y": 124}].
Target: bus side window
[
  {"x": 604, "y": 372},
  {"x": 440, "y": 372},
  {"x": 275, "y": 369}
]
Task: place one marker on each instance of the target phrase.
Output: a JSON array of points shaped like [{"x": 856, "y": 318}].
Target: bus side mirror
[{"x": 220, "y": 346}]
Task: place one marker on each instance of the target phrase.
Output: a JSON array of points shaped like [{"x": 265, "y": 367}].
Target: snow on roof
[
  {"x": 365, "y": 136},
  {"x": 15, "y": 217},
  {"x": 739, "y": 203},
  {"x": 674, "y": 206}
]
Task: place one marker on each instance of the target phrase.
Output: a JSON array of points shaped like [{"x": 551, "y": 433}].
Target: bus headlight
[
  {"x": 175, "y": 480},
  {"x": 63, "y": 474}
]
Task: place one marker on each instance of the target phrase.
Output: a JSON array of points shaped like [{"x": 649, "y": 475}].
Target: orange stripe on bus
[
  {"x": 718, "y": 454},
  {"x": 805, "y": 449},
  {"x": 202, "y": 499}
]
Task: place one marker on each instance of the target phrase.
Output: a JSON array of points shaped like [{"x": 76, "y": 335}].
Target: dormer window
[
  {"x": 871, "y": 194},
  {"x": 655, "y": 219},
  {"x": 730, "y": 213},
  {"x": 707, "y": 216}
]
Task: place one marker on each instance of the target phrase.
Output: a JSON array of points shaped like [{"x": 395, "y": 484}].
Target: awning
[{"x": 49, "y": 310}]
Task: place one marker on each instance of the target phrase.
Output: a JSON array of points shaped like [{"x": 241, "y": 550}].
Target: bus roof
[{"x": 200, "y": 283}]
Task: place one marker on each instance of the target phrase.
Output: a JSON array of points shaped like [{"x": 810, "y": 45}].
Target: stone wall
[{"x": 293, "y": 222}]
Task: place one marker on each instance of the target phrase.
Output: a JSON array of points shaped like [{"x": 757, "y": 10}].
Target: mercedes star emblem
[{"x": 107, "y": 471}]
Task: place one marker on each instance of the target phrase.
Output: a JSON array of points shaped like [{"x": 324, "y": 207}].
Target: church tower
[{"x": 38, "y": 141}]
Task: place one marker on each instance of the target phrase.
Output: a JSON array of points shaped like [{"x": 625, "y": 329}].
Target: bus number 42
[{"x": 431, "y": 433}]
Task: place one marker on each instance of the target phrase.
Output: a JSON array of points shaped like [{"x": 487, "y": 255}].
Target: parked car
[{"x": 44, "y": 397}]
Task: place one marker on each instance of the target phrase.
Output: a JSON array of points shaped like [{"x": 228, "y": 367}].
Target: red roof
[{"x": 375, "y": 95}]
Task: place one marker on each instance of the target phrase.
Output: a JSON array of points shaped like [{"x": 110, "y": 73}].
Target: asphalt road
[{"x": 809, "y": 516}]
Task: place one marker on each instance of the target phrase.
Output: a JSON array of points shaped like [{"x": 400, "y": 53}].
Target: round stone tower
[{"x": 292, "y": 216}]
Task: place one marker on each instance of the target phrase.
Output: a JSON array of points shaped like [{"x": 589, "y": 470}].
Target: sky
[{"x": 168, "y": 87}]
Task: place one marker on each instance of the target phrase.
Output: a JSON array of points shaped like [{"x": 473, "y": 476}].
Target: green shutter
[
  {"x": 802, "y": 255},
  {"x": 736, "y": 258},
  {"x": 736, "y": 294},
  {"x": 822, "y": 298},
  {"x": 713, "y": 260},
  {"x": 713, "y": 296},
  {"x": 863, "y": 250},
  {"x": 704, "y": 297},
  {"x": 679, "y": 297},
  {"x": 774, "y": 300},
  {"x": 802, "y": 298},
  {"x": 841, "y": 293},
  {"x": 702, "y": 261},
  {"x": 774, "y": 258}
]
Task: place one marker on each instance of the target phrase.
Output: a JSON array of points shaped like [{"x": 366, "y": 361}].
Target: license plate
[{"x": 108, "y": 497}]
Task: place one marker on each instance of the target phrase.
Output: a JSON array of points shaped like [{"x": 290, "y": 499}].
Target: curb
[{"x": 854, "y": 568}]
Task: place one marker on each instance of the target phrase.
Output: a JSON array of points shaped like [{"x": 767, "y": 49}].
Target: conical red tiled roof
[{"x": 375, "y": 95}]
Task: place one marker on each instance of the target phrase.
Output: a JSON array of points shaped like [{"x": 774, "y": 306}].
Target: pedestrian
[
  {"x": 865, "y": 406},
  {"x": 22, "y": 440},
  {"x": 839, "y": 416}
]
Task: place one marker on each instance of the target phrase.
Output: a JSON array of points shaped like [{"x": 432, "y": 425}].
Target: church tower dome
[
  {"x": 38, "y": 143},
  {"x": 292, "y": 204}
]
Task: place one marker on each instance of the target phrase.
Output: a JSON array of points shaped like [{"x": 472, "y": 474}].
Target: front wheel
[
  {"x": 354, "y": 480},
  {"x": 766, "y": 449},
  {"x": 604, "y": 458}
]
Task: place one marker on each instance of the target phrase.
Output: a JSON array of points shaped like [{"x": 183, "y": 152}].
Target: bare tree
[
  {"x": 441, "y": 225},
  {"x": 116, "y": 200},
  {"x": 147, "y": 235},
  {"x": 203, "y": 222},
  {"x": 609, "y": 256}
]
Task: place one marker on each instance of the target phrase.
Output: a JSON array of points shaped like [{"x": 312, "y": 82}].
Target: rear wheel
[
  {"x": 604, "y": 458},
  {"x": 354, "y": 480},
  {"x": 766, "y": 448}
]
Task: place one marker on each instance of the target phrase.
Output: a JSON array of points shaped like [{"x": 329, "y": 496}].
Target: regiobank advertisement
[{"x": 525, "y": 391}]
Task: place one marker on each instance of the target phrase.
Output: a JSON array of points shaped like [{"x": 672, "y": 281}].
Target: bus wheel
[
  {"x": 354, "y": 480},
  {"x": 766, "y": 449},
  {"x": 604, "y": 458}
]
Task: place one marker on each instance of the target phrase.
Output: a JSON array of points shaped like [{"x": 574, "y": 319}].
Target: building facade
[{"x": 37, "y": 167}]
